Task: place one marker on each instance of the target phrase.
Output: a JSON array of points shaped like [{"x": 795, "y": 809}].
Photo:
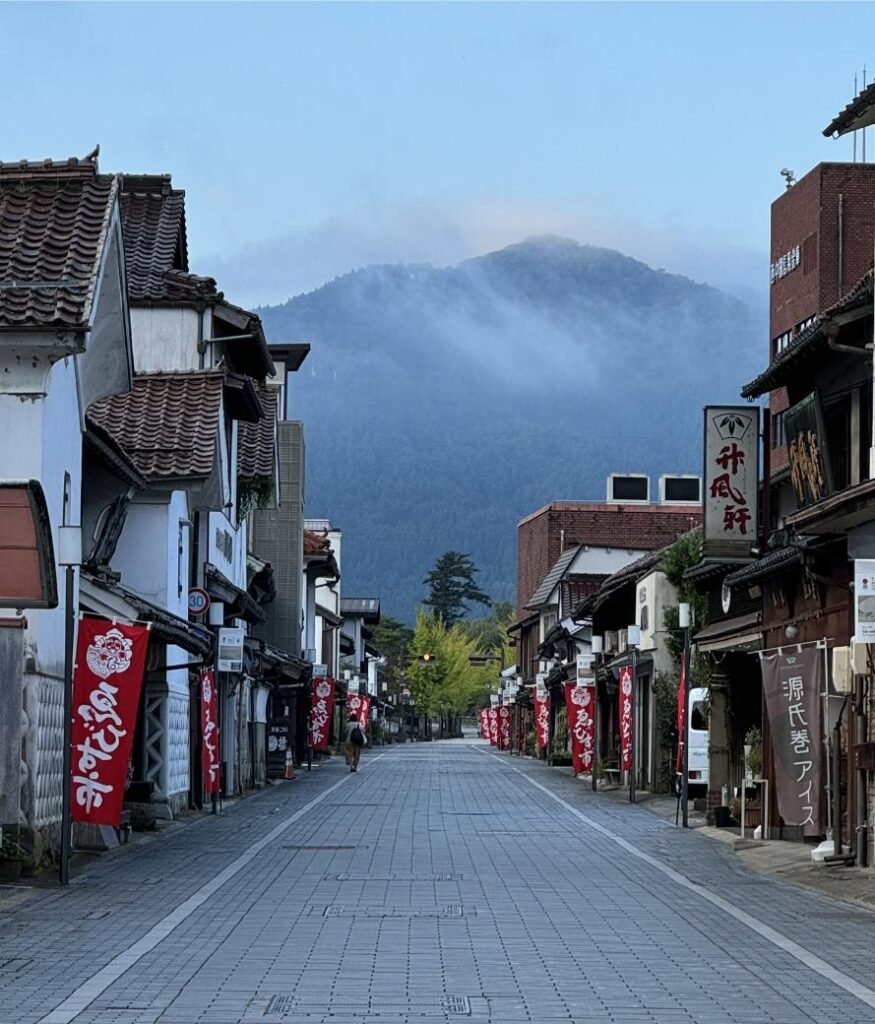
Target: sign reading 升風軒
[
  {"x": 108, "y": 676},
  {"x": 730, "y": 481},
  {"x": 792, "y": 683}
]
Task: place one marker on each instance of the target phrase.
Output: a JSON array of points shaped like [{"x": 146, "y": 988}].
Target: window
[
  {"x": 698, "y": 720},
  {"x": 779, "y": 437},
  {"x": 803, "y": 325},
  {"x": 782, "y": 341}
]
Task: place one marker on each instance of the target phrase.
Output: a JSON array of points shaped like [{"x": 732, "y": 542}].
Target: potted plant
[{"x": 12, "y": 856}]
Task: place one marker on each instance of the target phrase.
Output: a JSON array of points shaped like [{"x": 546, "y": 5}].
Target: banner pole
[{"x": 66, "y": 824}]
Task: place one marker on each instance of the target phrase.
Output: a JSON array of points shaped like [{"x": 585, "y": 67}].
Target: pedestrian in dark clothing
[{"x": 354, "y": 740}]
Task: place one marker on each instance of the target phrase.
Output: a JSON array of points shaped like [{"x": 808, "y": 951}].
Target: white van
[{"x": 697, "y": 709}]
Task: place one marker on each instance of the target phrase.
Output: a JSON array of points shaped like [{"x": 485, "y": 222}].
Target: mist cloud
[{"x": 302, "y": 259}]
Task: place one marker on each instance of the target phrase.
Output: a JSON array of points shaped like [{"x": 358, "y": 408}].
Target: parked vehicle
[{"x": 697, "y": 766}]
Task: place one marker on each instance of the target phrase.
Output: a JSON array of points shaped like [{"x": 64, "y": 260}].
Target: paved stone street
[{"x": 441, "y": 883}]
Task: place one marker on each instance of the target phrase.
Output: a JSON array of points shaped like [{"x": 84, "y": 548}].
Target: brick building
[
  {"x": 821, "y": 245},
  {"x": 629, "y": 530}
]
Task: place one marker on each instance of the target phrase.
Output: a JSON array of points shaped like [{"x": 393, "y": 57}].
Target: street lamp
[
  {"x": 684, "y": 623},
  {"x": 70, "y": 556},
  {"x": 633, "y": 641},
  {"x": 597, "y": 646}
]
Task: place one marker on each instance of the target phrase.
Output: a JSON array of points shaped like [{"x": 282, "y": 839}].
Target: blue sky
[{"x": 312, "y": 138}]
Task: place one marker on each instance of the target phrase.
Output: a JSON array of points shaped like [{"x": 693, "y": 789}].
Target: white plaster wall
[
  {"x": 165, "y": 339},
  {"x": 46, "y": 443},
  {"x": 138, "y": 556},
  {"x": 606, "y": 560},
  {"x": 235, "y": 566}
]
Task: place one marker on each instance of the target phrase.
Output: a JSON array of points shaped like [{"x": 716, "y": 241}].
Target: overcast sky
[{"x": 314, "y": 138}]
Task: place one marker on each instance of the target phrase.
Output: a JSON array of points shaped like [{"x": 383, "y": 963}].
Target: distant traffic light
[{"x": 426, "y": 658}]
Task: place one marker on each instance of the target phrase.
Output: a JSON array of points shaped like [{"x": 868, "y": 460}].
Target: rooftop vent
[
  {"x": 629, "y": 487},
  {"x": 680, "y": 490}
]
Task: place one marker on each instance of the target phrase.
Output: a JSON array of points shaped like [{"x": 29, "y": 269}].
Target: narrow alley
[{"x": 440, "y": 883}]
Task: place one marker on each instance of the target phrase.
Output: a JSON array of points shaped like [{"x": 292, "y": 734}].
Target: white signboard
[
  {"x": 493, "y": 699},
  {"x": 732, "y": 435},
  {"x": 353, "y": 685},
  {"x": 584, "y": 665},
  {"x": 864, "y": 600},
  {"x": 231, "y": 649},
  {"x": 320, "y": 671}
]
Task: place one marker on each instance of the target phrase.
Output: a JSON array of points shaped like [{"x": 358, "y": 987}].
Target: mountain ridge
[{"x": 443, "y": 404}]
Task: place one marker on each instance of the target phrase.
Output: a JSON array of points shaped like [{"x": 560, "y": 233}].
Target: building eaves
[
  {"x": 167, "y": 424},
  {"x": 54, "y": 222},
  {"x": 111, "y": 455},
  {"x": 773, "y": 562},
  {"x": 556, "y": 573},
  {"x": 859, "y": 113},
  {"x": 811, "y": 341},
  {"x": 365, "y": 608}
]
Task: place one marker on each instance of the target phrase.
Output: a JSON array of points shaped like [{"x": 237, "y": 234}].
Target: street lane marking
[
  {"x": 811, "y": 960},
  {"x": 79, "y": 1000}
]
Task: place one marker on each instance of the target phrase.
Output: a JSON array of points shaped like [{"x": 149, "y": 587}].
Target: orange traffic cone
[{"x": 290, "y": 766}]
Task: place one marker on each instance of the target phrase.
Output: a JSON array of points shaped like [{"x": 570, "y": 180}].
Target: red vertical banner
[
  {"x": 580, "y": 701},
  {"x": 504, "y": 727},
  {"x": 321, "y": 710},
  {"x": 484, "y": 724},
  {"x": 626, "y": 706},
  {"x": 542, "y": 718},
  {"x": 107, "y": 679},
  {"x": 360, "y": 706},
  {"x": 682, "y": 714},
  {"x": 493, "y": 726},
  {"x": 209, "y": 731}
]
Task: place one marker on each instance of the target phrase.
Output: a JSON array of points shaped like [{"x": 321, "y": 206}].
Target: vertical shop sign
[
  {"x": 107, "y": 679},
  {"x": 209, "y": 731},
  {"x": 626, "y": 710},
  {"x": 792, "y": 685}
]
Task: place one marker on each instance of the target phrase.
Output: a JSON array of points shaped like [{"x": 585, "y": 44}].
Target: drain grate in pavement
[
  {"x": 341, "y": 910},
  {"x": 398, "y": 876},
  {"x": 313, "y": 846},
  {"x": 14, "y": 964},
  {"x": 285, "y": 1005}
]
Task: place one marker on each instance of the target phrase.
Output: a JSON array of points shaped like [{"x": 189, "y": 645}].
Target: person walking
[{"x": 354, "y": 740}]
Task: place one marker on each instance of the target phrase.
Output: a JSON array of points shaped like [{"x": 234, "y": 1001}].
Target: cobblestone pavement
[{"x": 441, "y": 883}]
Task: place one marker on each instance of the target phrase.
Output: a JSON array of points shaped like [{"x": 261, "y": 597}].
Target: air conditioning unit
[
  {"x": 685, "y": 489},
  {"x": 611, "y": 643},
  {"x": 629, "y": 488}
]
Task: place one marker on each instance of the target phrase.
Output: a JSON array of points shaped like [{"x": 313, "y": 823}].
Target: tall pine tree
[{"x": 451, "y": 586}]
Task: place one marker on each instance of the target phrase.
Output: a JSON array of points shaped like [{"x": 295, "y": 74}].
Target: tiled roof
[
  {"x": 809, "y": 341},
  {"x": 367, "y": 608},
  {"x": 54, "y": 218},
  {"x": 167, "y": 423},
  {"x": 772, "y": 562},
  {"x": 548, "y": 583},
  {"x": 859, "y": 113},
  {"x": 256, "y": 442}
]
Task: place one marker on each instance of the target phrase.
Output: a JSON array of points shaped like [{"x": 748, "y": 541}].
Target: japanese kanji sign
[
  {"x": 361, "y": 707},
  {"x": 484, "y": 724},
  {"x": 504, "y": 721},
  {"x": 792, "y": 686},
  {"x": 626, "y": 709},
  {"x": 209, "y": 731},
  {"x": 580, "y": 703},
  {"x": 493, "y": 726},
  {"x": 321, "y": 710},
  {"x": 542, "y": 717},
  {"x": 730, "y": 480},
  {"x": 107, "y": 678},
  {"x": 807, "y": 453}
]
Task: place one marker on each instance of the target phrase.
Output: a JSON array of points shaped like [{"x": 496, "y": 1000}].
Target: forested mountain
[{"x": 443, "y": 404}]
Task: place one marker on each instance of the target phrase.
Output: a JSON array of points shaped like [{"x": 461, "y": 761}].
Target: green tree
[
  {"x": 447, "y": 685},
  {"x": 452, "y": 585},
  {"x": 490, "y": 636}
]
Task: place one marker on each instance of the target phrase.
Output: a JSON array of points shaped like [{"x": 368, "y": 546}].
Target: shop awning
[
  {"x": 112, "y": 600},
  {"x": 742, "y": 633}
]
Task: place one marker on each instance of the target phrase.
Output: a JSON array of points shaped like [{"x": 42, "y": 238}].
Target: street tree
[
  {"x": 452, "y": 585},
  {"x": 392, "y": 639}
]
